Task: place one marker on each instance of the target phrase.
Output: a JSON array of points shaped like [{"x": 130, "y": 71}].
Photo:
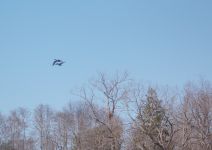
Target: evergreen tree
[{"x": 152, "y": 128}]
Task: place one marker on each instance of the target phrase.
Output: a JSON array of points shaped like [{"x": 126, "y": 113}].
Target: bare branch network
[{"x": 116, "y": 114}]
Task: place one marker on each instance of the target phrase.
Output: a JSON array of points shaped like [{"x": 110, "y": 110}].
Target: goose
[{"x": 57, "y": 62}]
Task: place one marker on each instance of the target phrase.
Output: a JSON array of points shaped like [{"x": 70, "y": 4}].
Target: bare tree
[
  {"x": 3, "y": 132},
  {"x": 17, "y": 126},
  {"x": 64, "y": 128},
  {"x": 195, "y": 119},
  {"x": 112, "y": 93},
  {"x": 82, "y": 124},
  {"x": 43, "y": 121},
  {"x": 24, "y": 115}
]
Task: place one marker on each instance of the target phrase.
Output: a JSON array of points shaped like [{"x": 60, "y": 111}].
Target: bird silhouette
[
  {"x": 58, "y": 62},
  {"x": 55, "y": 61}
]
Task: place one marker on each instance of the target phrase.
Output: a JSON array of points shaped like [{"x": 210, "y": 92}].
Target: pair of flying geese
[{"x": 58, "y": 62}]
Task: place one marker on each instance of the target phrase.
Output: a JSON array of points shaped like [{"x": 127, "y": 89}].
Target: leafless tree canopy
[{"x": 116, "y": 113}]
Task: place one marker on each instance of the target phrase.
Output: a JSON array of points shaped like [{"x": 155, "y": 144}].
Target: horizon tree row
[{"x": 116, "y": 113}]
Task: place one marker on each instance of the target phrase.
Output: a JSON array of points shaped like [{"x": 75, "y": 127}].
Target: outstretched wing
[
  {"x": 54, "y": 62},
  {"x": 60, "y": 63}
]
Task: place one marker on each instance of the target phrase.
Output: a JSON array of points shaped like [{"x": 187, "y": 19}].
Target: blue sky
[{"x": 164, "y": 42}]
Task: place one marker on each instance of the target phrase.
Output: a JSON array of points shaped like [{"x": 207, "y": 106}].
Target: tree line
[{"x": 116, "y": 113}]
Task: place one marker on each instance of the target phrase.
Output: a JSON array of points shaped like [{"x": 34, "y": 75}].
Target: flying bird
[
  {"x": 55, "y": 61},
  {"x": 58, "y": 62}
]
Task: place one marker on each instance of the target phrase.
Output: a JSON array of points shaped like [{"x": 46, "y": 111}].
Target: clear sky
[{"x": 161, "y": 41}]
